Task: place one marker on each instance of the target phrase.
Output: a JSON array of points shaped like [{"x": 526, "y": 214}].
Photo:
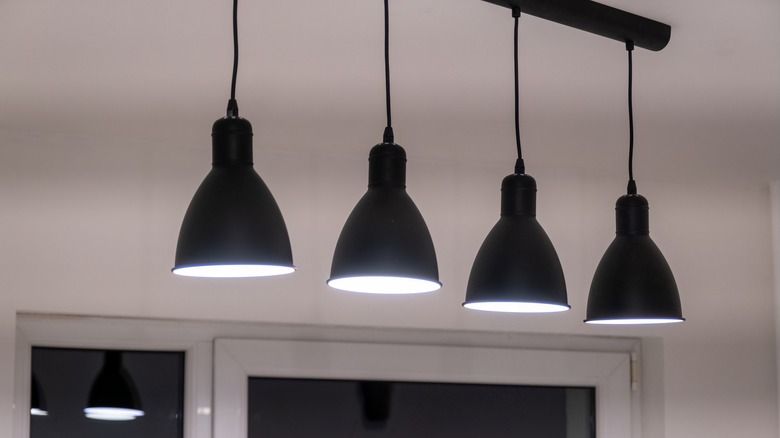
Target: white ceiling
[{"x": 154, "y": 74}]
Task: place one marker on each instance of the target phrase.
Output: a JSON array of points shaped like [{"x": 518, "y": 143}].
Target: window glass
[
  {"x": 106, "y": 393},
  {"x": 297, "y": 408}
]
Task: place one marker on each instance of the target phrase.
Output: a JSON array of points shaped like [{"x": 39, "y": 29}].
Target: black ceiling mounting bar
[{"x": 596, "y": 18}]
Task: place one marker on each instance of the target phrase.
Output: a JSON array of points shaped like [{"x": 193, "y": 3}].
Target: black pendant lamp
[
  {"x": 385, "y": 246},
  {"x": 633, "y": 283},
  {"x": 517, "y": 268},
  {"x": 37, "y": 400},
  {"x": 113, "y": 396},
  {"x": 233, "y": 226}
]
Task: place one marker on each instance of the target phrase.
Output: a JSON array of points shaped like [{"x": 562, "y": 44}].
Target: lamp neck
[
  {"x": 112, "y": 360},
  {"x": 387, "y": 166},
  {"x": 632, "y": 215},
  {"x": 518, "y": 195},
  {"x": 231, "y": 141}
]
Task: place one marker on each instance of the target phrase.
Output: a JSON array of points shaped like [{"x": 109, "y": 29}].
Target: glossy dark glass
[
  {"x": 66, "y": 377},
  {"x": 298, "y": 408}
]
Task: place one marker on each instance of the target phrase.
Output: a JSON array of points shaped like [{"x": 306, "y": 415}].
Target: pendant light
[
  {"x": 37, "y": 400},
  {"x": 113, "y": 396},
  {"x": 633, "y": 283},
  {"x": 233, "y": 226},
  {"x": 517, "y": 268},
  {"x": 385, "y": 246}
]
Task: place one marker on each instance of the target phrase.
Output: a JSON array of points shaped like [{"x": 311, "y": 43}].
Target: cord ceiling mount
[{"x": 598, "y": 19}]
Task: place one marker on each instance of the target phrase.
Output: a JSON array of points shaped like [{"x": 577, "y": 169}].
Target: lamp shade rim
[
  {"x": 635, "y": 321},
  {"x": 384, "y": 284},
  {"x": 233, "y": 270},
  {"x": 513, "y": 306}
]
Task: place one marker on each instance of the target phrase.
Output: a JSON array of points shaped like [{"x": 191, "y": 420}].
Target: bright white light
[
  {"x": 112, "y": 414},
  {"x": 384, "y": 285},
  {"x": 516, "y": 307},
  {"x": 113, "y": 417},
  {"x": 635, "y": 321},
  {"x": 233, "y": 271},
  {"x": 40, "y": 412}
]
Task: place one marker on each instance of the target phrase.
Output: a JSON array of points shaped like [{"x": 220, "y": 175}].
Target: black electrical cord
[
  {"x": 519, "y": 164},
  {"x": 232, "y": 109},
  {"x": 631, "y": 190},
  {"x": 388, "y": 136}
]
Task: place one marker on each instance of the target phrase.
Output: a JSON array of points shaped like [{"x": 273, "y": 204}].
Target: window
[
  {"x": 226, "y": 362},
  {"x": 45, "y": 334},
  {"x": 91, "y": 393},
  {"x": 335, "y": 367}
]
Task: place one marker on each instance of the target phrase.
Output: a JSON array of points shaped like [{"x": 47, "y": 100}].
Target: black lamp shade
[
  {"x": 517, "y": 268},
  {"x": 113, "y": 396},
  {"x": 633, "y": 283},
  {"x": 233, "y": 226},
  {"x": 385, "y": 246},
  {"x": 37, "y": 399}
]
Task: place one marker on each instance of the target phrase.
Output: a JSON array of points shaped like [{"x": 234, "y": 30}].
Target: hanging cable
[
  {"x": 519, "y": 164},
  {"x": 232, "y": 109},
  {"x": 388, "y": 136},
  {"x": 631, "y": 190},
  {"x": 387, "y": 66}
]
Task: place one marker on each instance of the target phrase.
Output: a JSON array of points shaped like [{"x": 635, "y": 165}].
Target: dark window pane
[
  {"x": 65, "y": 377},
  {"x": 298, "y": 408}
]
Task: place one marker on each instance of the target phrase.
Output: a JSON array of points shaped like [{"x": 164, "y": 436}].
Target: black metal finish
[
  {"x": 385, "y": 235},
  {"x": 598, "y": 19},
  {"x": 113, "y": 386},
  {"x": 633, "y": 280},
  {"x": 517, "y": 261},
  {"x": 233, "y": 218}
]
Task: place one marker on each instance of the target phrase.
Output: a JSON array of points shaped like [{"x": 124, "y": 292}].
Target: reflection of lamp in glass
[
  {"x": 37, "y": 400},
  {"x": 113, "y": 396},
  {"x": 376, "y": 397}
]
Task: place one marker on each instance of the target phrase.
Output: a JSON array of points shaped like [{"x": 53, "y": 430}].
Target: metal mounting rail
[{"x": 598, "y": 19}]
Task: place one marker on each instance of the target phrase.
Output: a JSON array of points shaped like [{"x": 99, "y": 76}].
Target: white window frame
[
  {"x": 117, "y": 333},
  {"x": 608, "y": 371},
  {"x": 221, "y": 356}
]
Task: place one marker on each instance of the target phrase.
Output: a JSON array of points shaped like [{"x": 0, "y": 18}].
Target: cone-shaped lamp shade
[
  {"x": 517, "y": 268},
  {"x": 113, "y": 396},
  {"x": 385, "y": 246},
  {"x": 233, "y": 226},
  {"x": 37, "y": 400},
  {"x": 633, "y": 283}
]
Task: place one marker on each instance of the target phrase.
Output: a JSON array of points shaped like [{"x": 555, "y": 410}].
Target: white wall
[
  {"x": 775, "y": 215},
  {"x": 91, "y": 229}
]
